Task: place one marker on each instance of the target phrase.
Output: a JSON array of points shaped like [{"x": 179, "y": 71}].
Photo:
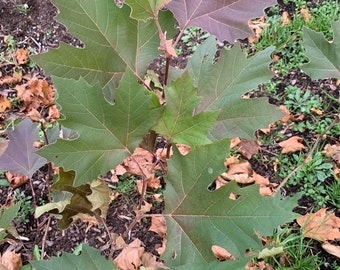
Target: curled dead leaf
[
  {"x": 234, "y": 142},
  {"x": 321, "y": 226},
  {"x": 16, "y": 180},
  {"x": 22, "y": 56},
  {"x": 11, "y": 260},
  {"x": 293, "y": 144},
  {"x": 248, "y": 148},
  {"x": 222, "y": 254},
  {"x": 285, "y": 20},
  {"x": 130, "y": 257},
  {"x": 305, "y": 14},
  {"x": 332, "y": 249},
  {"x": 287, "y": 116},
  {"x": 4, "y": 104},
  {"x": 158, "y": 225}
]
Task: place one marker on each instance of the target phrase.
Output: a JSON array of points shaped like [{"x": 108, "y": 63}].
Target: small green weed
[
  {"x": 26, "y": 208},
  {"x": 333, "y": 192},
  {"x": 126, "y": 184},
  {"x": 298, "y": 101},
  {"x": 310, "y": 178},
  {"x": 192, "y": 37},
  {"x": 23, "y": 9}
]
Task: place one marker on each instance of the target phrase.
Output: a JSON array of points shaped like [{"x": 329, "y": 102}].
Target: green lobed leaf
[
  {"x": 145, "y": 9},
  {"x": 324, "y": 56},
  {"x": 197, "y": 218},
  {"x": 89, "y": 259},
  {"x": 177, "y": 122},
  {"x": 113, "y": 42},
  {"x": 107, "y": 133},
  {"x": 222, "y": 85}
]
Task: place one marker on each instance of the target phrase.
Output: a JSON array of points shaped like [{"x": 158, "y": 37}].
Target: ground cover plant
[{"x": 113, "y": 115}]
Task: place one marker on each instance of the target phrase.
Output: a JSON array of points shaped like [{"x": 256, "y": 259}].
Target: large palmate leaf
[
  {"x": 197, "y": 218},
  {"x": 19, "y": 156},
  {"x": 324, "y": 56},
  {"x": 177, "y": 122},
  {"x": 89, "y": 258},
  {"x": 227, "y": 20},
  {"x": 113, "y": 42},
  {"x": 107, "y": 133},
  {"x": 222, "y": 85}
]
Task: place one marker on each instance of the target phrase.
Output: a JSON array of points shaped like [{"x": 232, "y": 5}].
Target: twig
[
  {"x": 309, "y": 155},
  {"x": 43, "y": 242}
]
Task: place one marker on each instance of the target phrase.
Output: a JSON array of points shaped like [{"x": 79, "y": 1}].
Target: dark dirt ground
[{"x": 39, "y": 31}]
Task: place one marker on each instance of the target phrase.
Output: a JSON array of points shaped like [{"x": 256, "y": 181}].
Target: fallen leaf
[
  {"x": 321, "y": 226},
  {"x": 4, "y": 104},
  {"x": 161, "y": 249},
  {"x": 130, "y": 257},
  {"x": 332, "y": 249},
  {"x": 248, "y": 148},
  {"x": 140, "y": 159},
  {"x": 316, "y": 111},
  {"x": 221, "y": 254},
  {"x": 153, "y": 182},
  {"x": 220, "y": 182},
  {"x": 297, "y": 117},
  {"x": 234, "y": 142},
  {"x": 305, "y": 14},
  {"x": 149, "y": 261},
  {"x": 11, "y": 260},
  {"x": 332, "y": 151},
  {"x": 231, "y": 160},
  {"x": 293, "y": 144},
  {"x": 145, "y": 208},
  {"x": 285, "y": 20},
  {"x": 9, "y": 80},
  {"x": 240, "y": 172},
  {"x": 22, "y": 56},
  {"x": 287, "y": 116},
  {"x": 158, "y": 225},
  {"x": 53, "y": 112},
  {"x": 16, "y": 180}
]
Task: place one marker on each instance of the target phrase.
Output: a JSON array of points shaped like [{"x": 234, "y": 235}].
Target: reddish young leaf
[{"x": 227, "y": 20}]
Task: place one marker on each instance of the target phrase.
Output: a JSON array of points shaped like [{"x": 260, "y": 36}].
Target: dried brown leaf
[
  {"x": 321, "y": 226},
  {"x": 11, "y": 260},
  {"x": 293, "y": 144},
  {"x": 16, "y": 180},
  {"x": 130, "y": 257},
  {"x": 221, "y": 254},
  {"x": 332, "y": 249},
  {"x": 285, "y": 20},
  {"x": 4, "y": 104},
  {"x": 332, "y": 151},
  {"x": 305, "y": 14},
  {"x": 234, "y": 142},
  {"x": 287, "y": 116},
  {"x": 249, "y": 148},
  {"x": 22, "y": 56},
  {"x": 158, "y": 225}
]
